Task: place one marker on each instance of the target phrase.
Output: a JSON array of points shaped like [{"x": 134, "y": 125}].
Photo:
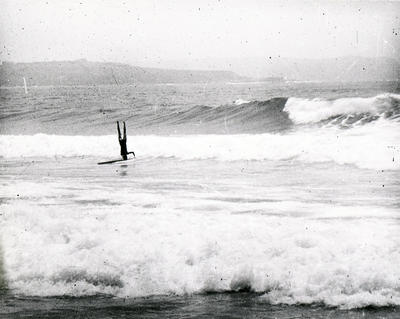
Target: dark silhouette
[{"x": 122, "y": 143}]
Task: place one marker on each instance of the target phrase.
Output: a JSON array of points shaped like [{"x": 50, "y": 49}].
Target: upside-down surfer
[{"x": 122, "y": 143}]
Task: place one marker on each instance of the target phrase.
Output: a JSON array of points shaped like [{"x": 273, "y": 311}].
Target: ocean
[{"x": 245, "y": 200}]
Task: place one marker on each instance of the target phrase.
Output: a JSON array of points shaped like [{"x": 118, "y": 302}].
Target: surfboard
[{"x": 114, "y": 161}]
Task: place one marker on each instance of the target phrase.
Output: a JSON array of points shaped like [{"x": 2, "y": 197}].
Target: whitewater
[{"x": 281, "y": 196}]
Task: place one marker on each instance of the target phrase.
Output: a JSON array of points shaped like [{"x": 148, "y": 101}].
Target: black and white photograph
[{"x": 199, "y": 159}]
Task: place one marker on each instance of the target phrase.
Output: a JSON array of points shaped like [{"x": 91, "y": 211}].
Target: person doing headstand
[{"x": 122, "y": 143}]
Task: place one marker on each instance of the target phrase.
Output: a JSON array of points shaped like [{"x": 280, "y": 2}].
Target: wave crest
[{"x": 350, "y": 110}]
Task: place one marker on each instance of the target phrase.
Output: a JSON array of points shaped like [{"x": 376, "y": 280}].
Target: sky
[{"x": 186, "y": 33}]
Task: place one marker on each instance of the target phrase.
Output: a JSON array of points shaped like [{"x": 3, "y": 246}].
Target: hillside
[{"x": 82, "y": 72}]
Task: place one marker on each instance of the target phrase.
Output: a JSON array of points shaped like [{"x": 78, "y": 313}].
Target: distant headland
[{"x": 83, "y": 72}]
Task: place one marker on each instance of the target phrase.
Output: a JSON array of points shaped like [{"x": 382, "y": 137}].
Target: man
[{"x": 122, "y": 143}]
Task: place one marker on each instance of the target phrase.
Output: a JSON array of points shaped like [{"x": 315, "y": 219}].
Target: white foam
[
  {"x": 241, "y": 101},
  {"x": 130, "y": 252},
  {"x": 303, "y": 111},
  {"x": 351, "y": 146}
]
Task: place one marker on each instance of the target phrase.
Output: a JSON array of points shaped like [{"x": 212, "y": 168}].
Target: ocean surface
[{"x": 245, "y": 200}]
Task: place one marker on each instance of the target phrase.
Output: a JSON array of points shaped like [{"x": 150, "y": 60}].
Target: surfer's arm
[{"x": 132, "y": 153}]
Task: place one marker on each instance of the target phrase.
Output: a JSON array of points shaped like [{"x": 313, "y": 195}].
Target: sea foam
[
  {"x": 303, "y": 111},
  {"x": 128, "y": 252},
  {"x": 350, "y": 146}
]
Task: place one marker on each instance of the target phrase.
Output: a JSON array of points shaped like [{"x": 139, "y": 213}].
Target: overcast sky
[{"x": 154, "y": 33}]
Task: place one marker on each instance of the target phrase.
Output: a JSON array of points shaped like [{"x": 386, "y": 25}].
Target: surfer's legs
[
  {"x": 119, "y": 131},
  {"x": 124, "y": 157}
]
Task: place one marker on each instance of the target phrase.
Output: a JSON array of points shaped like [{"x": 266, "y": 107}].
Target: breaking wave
[
  {"x": 130, "y": 253},
  {"x": 345, "y": 110},
  {"x": 291, "y": 129},
  {"x": 276, "y": 115},
  {"x": 318, "y": 144},
  {"x": 280, "y": 114}
]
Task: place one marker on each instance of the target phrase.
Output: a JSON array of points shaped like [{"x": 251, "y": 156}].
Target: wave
[
  {"x": 291, "y": 129},
  {"x": 240, "y": 117},
  {"x": 281, "y": 114},
  {"x": 275, "y": 115},
  {"x": 128, "y": 253},
  {"x": 345, "y": 110},
  {"x": 311, "y": 145}
]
